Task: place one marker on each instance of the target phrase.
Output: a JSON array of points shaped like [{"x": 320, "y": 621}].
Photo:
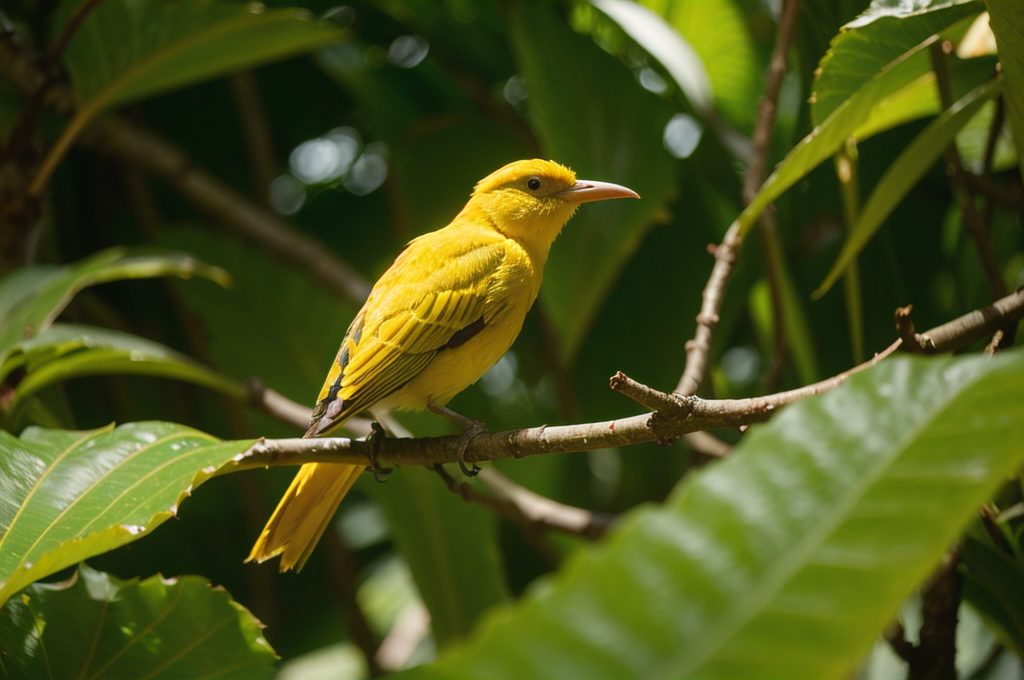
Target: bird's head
[{"x": 532, "y": 200}]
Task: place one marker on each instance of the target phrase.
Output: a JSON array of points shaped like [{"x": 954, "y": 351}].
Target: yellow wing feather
[{"x": 412, "y": 313}]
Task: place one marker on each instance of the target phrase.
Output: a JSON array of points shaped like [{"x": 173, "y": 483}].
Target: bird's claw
[
  {"x": 474, "y": 430},
  {"x": 377, "y": 435}
]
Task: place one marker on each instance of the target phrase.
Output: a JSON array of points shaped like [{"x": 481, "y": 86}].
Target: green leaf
[
  {"x": 1007, "y": 20},
  {"x": 70, "y": 495},
  {"x": 99, "y": 627},
  {"x": 717, "y": 31},
  {"x": 992, "y": 585},
  {"x": 301, "y": 325},
  {"x": 869, "y": 109},
  {"x": 787, "y": 558},
  {"x": 127, "y": 50},
  {"x": 870, "y": 43},
  {"x": 666, "y": 44},
  {"x": 66, "y": 351},
  {"x": 591, "y": 114},
  {"x": 32, "y": 297},
  {"x": 905, "y": 172},
  {"x": 451, "y": 548}
]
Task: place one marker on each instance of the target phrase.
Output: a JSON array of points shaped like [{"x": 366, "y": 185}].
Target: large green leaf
[
  {"x": 1007, "y": 19},
  {"x": 66, "y": 351},
  {"x": 717, "y": 31},
  {"x": 99, "y": 627},
  {"x": 873, "y": 98},
  {"x": 879, "y": 36},
  {"x": 71, "y": 495},
  {"x": 665, "y": 43},
  {"x": 591, "y": 114},
  {"x": 32, "y": 297},
  {"x": 787, "y": 558},
  {"x": 451, "y": 548},
  {"x": 905, "y": 172}
]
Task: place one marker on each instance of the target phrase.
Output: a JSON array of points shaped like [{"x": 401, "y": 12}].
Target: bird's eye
[{"x": 534, "y": 184}]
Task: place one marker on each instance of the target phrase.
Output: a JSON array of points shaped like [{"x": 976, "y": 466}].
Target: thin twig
[
  {"x": 698, "y": 348},
  {"x": 964, "y": 330},
  {"x": 526, "y": 508}
]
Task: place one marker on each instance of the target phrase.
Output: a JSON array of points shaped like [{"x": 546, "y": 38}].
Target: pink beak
[{"x": 585, "y": 191}]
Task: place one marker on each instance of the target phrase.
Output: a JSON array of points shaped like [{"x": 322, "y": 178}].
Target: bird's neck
[{"x": 534, "y": 231}]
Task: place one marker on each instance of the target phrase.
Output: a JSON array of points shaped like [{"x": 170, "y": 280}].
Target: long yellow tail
[{"x": 304, "y": 513}]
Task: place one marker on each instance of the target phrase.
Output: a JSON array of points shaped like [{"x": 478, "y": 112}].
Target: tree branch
[
  {"x": 674, "y": 416},
  {"x": 964, "y": 330},
  {"x": 526, "y": 508}
]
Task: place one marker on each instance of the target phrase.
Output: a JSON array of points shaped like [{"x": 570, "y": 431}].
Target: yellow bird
[{"x": 447, "y": 309}]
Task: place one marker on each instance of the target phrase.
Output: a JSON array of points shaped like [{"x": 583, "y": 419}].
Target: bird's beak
[{"x": 585, "y": 191}]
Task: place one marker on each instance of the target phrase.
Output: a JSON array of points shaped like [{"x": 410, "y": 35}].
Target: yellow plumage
[{"x": 448, "y": 308}]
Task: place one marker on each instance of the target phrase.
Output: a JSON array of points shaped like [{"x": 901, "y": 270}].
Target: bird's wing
[{"x": 437, "y": 295}]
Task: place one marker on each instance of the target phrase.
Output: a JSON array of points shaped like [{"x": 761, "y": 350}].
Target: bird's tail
[{"x": 304, "y": 513}]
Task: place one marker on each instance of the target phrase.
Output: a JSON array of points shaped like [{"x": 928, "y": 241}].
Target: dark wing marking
[{"x": 462, "y": 336}]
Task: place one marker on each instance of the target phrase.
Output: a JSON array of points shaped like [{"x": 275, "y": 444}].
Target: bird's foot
[
  {"x": 377, "y": 435},
  {"x": 474, "y": 430}
]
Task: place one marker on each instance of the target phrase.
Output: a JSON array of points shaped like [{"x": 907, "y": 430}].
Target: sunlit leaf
[
  {"x": 99, "y": 627},
  {"x": 66, "y": 351},
  {"x": 70, "y": 495},
  {"x": 1007, "y": 19},
  {"x": 875, "y": 39},
  {"x": 32, "y": 297},
  {"x": 787, "y": 558},
  {"x": 849, "y": 97},
  {"x": 592, "y": 115},
  {"x": 667, "y": 45},
  {"x": 905, "y": 172},
  {"x": 717, "y": 31}
]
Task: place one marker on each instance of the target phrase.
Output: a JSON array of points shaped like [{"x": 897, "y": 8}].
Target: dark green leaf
[
  {"x": 787, "y": 558},
  {"x": 125, "y": 51},
  {"x": 1007, "y": 18},
  {"x": 66, "y": 351},
  {"x": 32, "y": 297},
  {"x": 451, "y": 548},
  {"x": 99, "y": 627},
  {"x": 993, "y": 587},
  {"x": 70, "y": 495},
  {"x": 591, "y": 114},
  {"x": 905, "y": 172}
]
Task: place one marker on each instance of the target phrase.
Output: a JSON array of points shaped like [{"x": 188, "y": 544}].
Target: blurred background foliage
[{"x": 366, "y": 124}]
